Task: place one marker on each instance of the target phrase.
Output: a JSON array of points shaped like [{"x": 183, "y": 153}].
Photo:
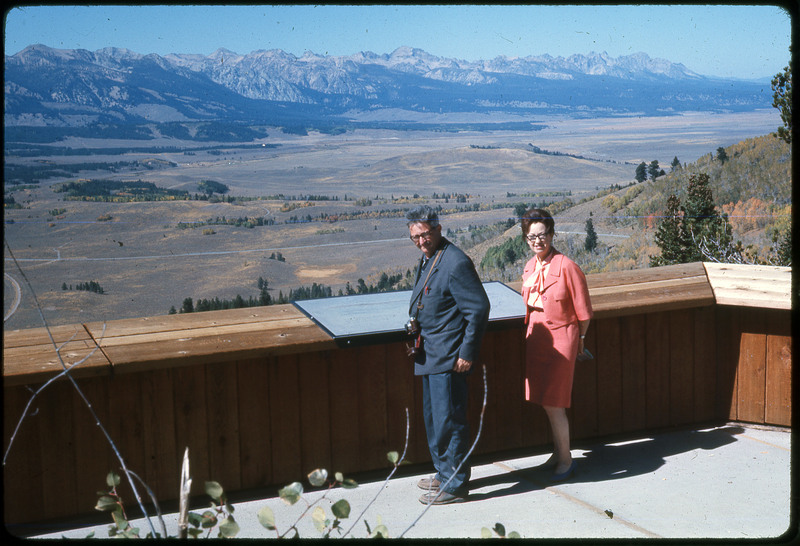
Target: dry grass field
[{"x": 146, "y": 264}]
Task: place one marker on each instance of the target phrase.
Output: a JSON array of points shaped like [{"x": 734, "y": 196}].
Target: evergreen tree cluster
[
  {"x": 248, "y": 222},
  {"x": 386, "y": 283},
  {"x": 91, "y": 286}
]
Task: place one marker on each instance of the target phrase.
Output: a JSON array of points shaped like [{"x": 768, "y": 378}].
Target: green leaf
[
  {"x": 194, "y": 519},
  {"x": 349, "y": 484},
  {"x": 318, "y": 517},
  {"x": 214, "y": 490},
  {"x": 120, "y": 520},
  {"x": 266, "y": 518},
  {"x": 228, "y": 528},
  {"x": 90, "y": 535},
  {"x": 514, "y": 534},
  {"x": 194, "y": 533},
  {"x": 209, "y": 519},
  {"x": 291, "y": 493},
  {"x": 112, "y": 479},
  {"x": 500, "y": 529},
  {"x": 486, "y": 532},
  {"x": 318, "y": 477},
  {"x": 106, "y": 504},
  {"x": 341, "y": 509},
  {"x": 393, "y": 457}
]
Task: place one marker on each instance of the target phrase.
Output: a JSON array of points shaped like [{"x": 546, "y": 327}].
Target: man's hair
[
  {"x": 421, "y": 214},
  {"x": 537, "y": 216}
]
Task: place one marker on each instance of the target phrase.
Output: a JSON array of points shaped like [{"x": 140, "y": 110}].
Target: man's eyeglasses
[
  {"x": 533, "y": 238},
  {"x": 424, "y": 235}
]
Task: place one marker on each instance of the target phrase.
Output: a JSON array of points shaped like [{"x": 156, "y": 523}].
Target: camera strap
[{"x": 418, "y": 306}]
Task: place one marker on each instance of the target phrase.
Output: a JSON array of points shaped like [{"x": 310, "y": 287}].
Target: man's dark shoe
[
  {"x": 441, "y": 497},
  {"x": 429, "y": 484}
]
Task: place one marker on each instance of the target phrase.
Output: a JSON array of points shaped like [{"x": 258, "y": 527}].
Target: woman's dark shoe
[{"x": 567, "y": 474}]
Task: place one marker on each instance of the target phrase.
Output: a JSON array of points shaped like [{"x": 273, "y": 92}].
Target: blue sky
[{"x": 713, "y": 40}]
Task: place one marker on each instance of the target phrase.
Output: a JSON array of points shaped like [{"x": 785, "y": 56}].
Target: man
[{"x": 450, "y": 306}]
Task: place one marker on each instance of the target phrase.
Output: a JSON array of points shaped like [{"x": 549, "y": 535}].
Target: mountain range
[{"x": 79, "y": 88}]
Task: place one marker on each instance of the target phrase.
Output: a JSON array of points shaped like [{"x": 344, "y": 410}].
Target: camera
[
  {"x": 413, "y": 331},
  {"x": 412, "y": 327}
]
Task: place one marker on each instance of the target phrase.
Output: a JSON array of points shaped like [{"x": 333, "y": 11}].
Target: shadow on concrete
[{"x": 608, "y": 461}]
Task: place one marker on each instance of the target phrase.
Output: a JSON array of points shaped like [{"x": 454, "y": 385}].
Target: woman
[{"x": 558, "y": 314}]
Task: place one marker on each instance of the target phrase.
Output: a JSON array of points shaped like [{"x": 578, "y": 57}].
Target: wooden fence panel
[
  {"x": 584, "y": 412},
  {"x": 255, "y": 431},
  {"x": 497, "y": 380},
  {"x": 634, "y": 373},
  {"x": 94, "y": 458},
  {"x": 191, "y": 419},
  {"x": 658, "y": 372},
  {"x": 126, "y": 425},
  {"x": 162, "y": 456},
  {"x": 399, "y": 397},
  {"x": 23, "y": 479},
  {"x": 728, "y": 332},
  {"x": 609, "y": 376},
  {"x": 222, "y": 394},
  {"x": 705, "y": 365},
  {"x": 779, "y": 380},
  {"x": 372, "y": 418},
  {"x": 56, "y": 437},
  {"x": 681, "y": 382},
  {"x": 779, "y": 368},
  {"x": 284, "y": 396},
  {"x": 344, "y": 410},
  {"x": 506, "y": 392},
  {"x": 315, "y": 417},
  {"x": 751, "y": 370}
]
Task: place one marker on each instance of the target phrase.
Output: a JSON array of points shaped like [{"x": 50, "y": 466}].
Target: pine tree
[
  {"x": 707, "y": 234},
  {"x": 782, "y": 99},
  {"x": 641, "y": 172},
  {"x": 653, "y": 169},
  {"x": 696, "y": 231},
  {"x": 668, "y": 236},
  {"x": 591, "y": 237}
]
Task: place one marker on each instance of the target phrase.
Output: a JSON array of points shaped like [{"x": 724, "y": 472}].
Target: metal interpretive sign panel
[{"x": 374, "y": 318}]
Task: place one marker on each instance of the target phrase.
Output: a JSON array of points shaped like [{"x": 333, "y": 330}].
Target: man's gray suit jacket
[{"x": 454, "y": 313}]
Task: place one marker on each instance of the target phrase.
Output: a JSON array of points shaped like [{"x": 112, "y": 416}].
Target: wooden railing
[{"x": 261, "y": 396}]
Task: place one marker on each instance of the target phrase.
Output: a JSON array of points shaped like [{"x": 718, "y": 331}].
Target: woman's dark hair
[{"x": 533, "y": 216}]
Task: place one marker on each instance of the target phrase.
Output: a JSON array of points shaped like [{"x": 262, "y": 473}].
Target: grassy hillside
[
  {"x": 757, "y": 168},
  {"x": 751, "y": 182}
]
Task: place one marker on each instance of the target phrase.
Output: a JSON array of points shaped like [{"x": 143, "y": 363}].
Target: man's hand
[{"x": 462, "y": 365}]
